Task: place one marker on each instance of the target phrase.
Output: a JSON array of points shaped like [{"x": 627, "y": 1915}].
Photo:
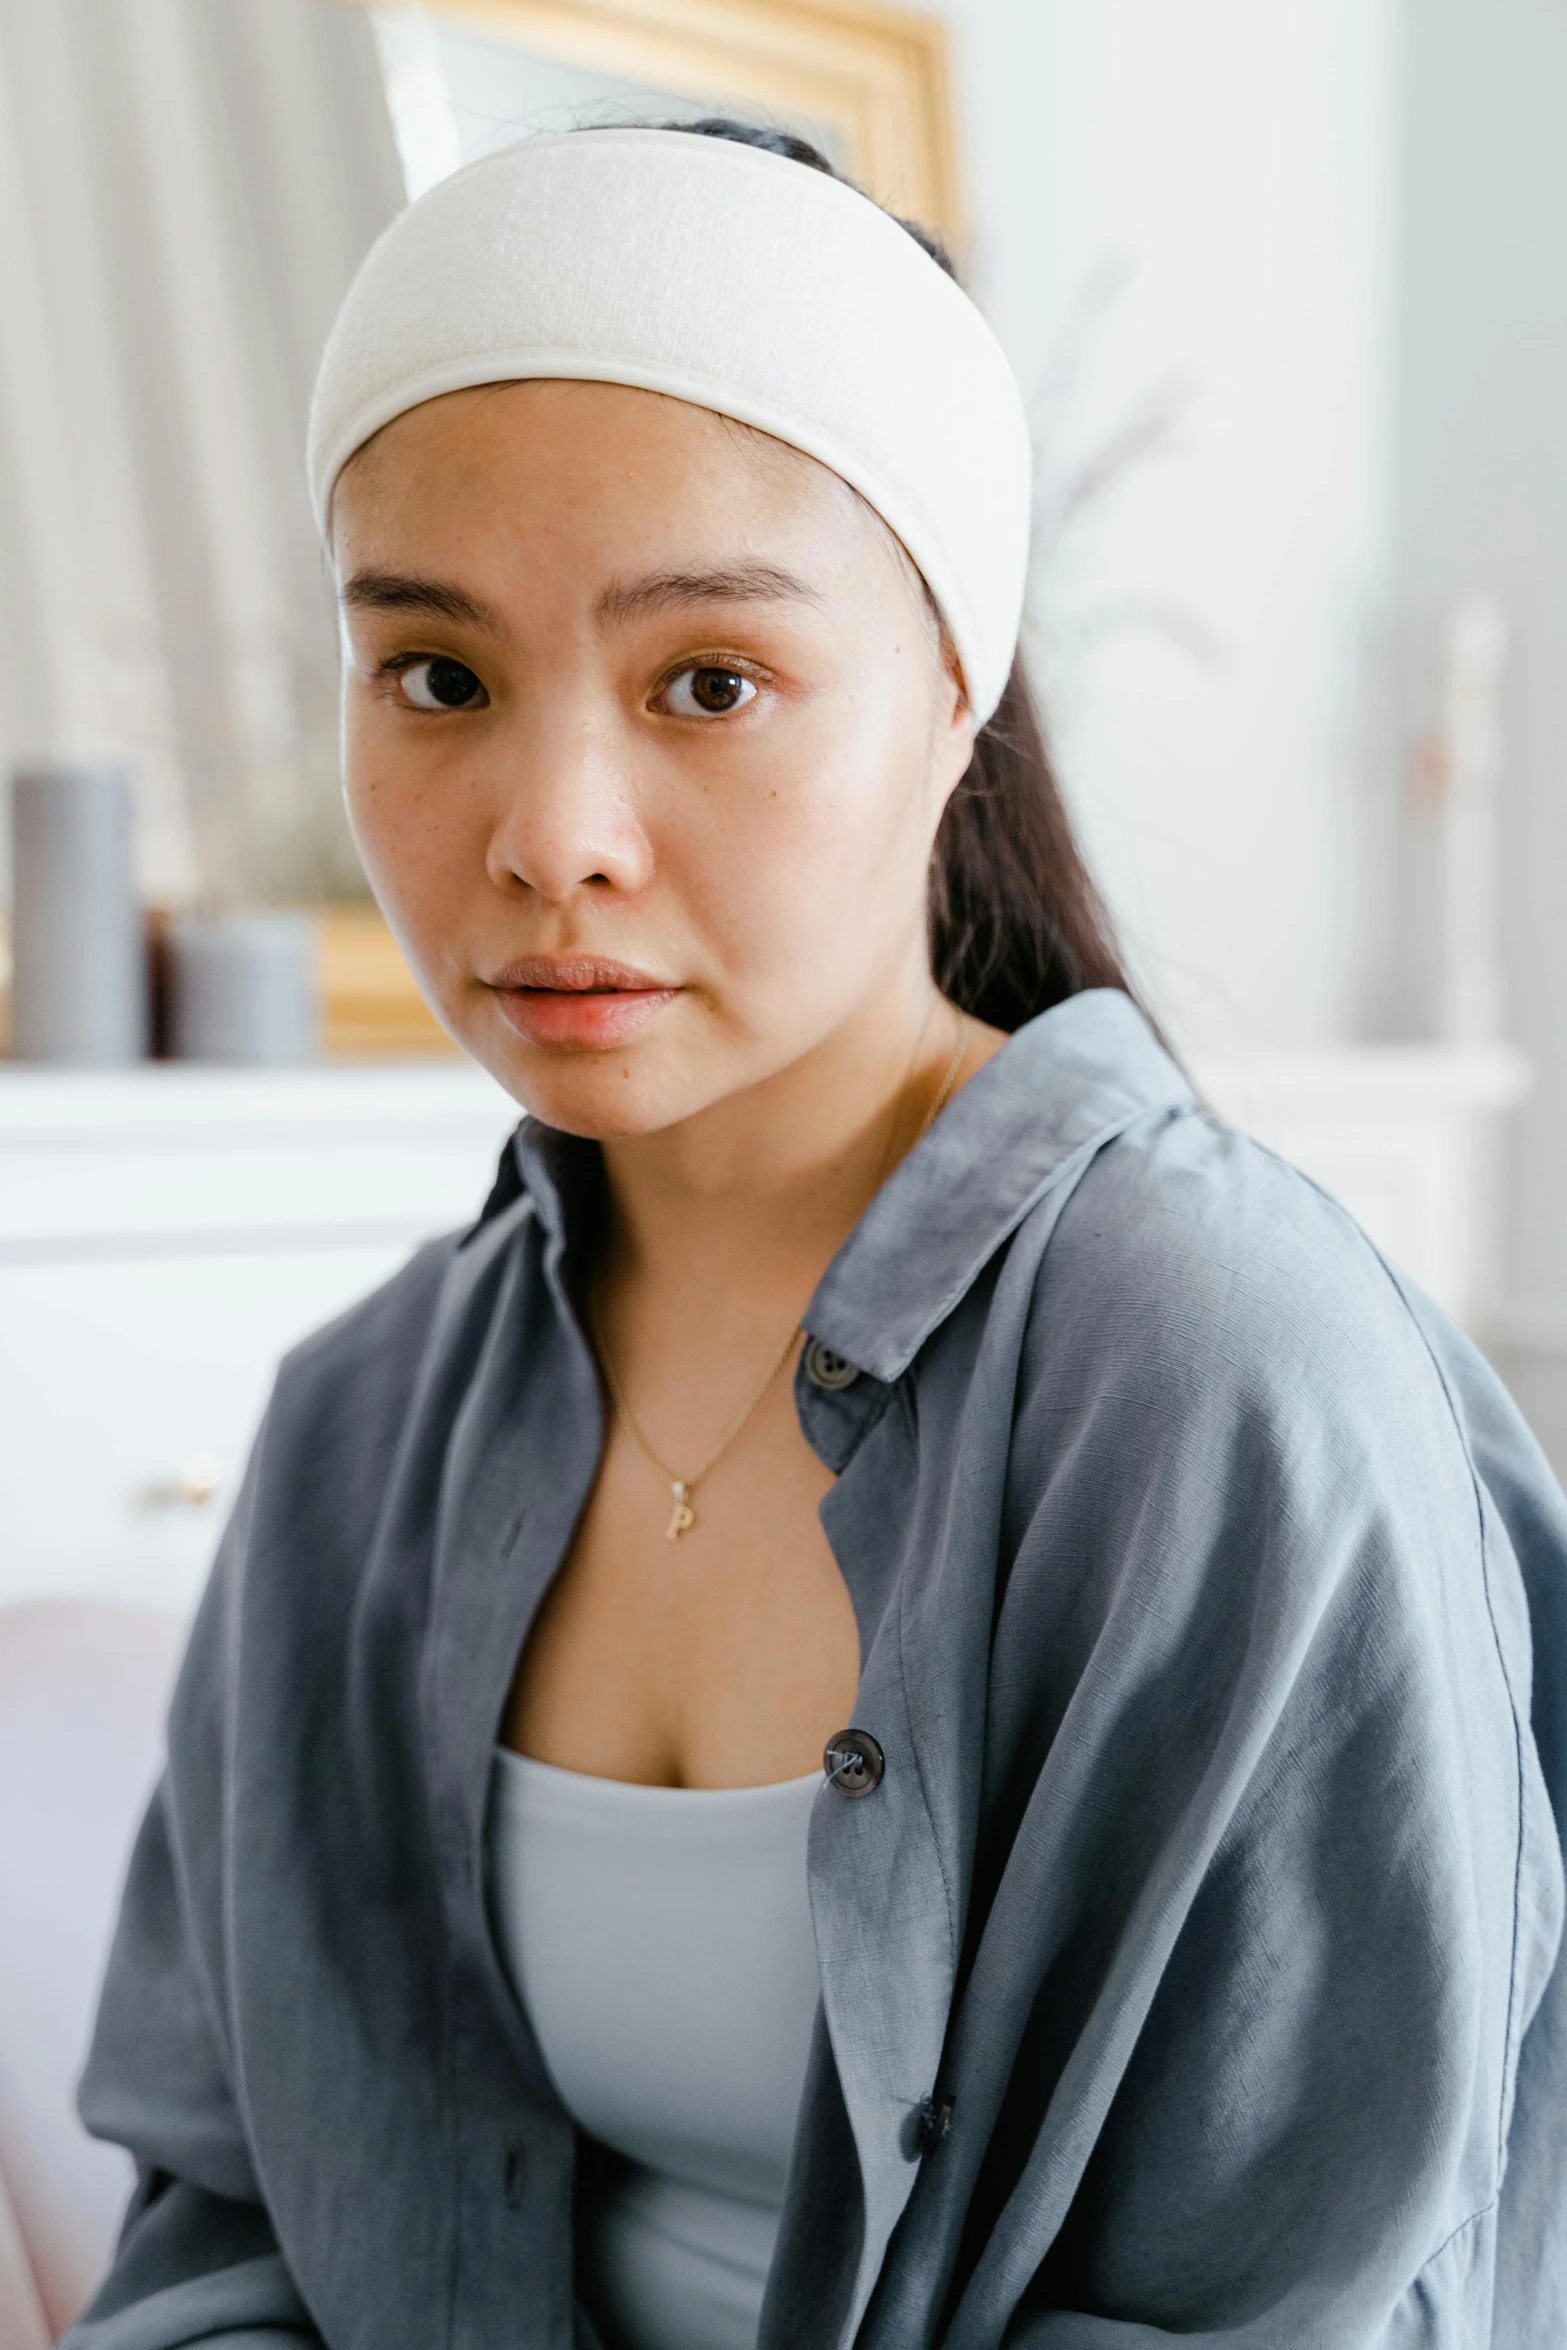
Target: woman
[{"x": 869, "y": 1347}]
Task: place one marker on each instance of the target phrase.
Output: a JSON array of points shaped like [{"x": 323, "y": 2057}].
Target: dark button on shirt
[
  {"x": 826, "y": 1369},
  {"x": 854, "y": 1763}
]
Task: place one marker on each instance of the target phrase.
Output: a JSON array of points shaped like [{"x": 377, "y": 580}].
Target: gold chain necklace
[{"x": 683, "y": 1517}]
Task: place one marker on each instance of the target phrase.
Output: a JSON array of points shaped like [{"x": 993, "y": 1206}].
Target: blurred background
[
  {"x": 1284, "y": 285},
  {"x": 1285, "y": 282}
]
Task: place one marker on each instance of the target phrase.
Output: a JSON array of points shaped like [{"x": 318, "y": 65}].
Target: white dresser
[{"x": 166, "y": 1232}]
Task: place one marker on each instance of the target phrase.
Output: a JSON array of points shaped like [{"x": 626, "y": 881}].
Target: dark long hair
[{"x": 1016, "y": 923}]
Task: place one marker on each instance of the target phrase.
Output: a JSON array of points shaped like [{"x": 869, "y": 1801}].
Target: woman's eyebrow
[
  {"x": 403, "y": 591},
  {"x": 739, "y": 583}
]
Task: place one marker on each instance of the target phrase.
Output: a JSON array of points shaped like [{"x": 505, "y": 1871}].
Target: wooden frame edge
[{"x": 876, "y": 74}]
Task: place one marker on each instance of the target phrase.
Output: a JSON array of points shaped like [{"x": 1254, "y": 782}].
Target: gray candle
[
  {"x": 79, "y": 972},
  {"x": 242, "y": 988}
]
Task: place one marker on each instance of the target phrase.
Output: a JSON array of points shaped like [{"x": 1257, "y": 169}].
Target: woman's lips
[{"x": 578, "y": 1000}]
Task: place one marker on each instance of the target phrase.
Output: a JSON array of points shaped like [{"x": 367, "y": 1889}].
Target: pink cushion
[
  {"x": 82, "y": 1695},
  {"x": 22, "y": 2324}
]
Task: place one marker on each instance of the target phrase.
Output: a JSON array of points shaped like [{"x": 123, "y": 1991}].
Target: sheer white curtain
[{"x": 185, "y": 188}]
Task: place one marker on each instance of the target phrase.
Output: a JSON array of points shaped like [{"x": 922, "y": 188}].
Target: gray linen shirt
[{"x": 1192, "y": 1972}]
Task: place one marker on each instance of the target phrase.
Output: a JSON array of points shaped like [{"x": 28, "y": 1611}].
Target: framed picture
[{"x": 871, "y": 76}]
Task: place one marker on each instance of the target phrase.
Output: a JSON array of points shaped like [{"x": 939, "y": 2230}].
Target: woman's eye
[
  {"x": 708, "y": 692},
  {"x": 441, "y": 684}
]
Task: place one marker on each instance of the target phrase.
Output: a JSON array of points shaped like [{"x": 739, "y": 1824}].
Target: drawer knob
[{"x": 193, "y": 1485}]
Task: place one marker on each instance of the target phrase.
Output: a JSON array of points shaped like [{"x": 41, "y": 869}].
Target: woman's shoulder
[
  {"x": 1229, "y": 1403},
  {"x": 354, "y": 1407},
  {"x": 1199, "y": 1260},
  {"x": 370, "y": 1351},
  {"x": 343, "y": 1396}
]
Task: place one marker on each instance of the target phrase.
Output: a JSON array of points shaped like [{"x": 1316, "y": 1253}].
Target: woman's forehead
[
  {"x": 585, "y": 461},
  {"x": 533, "y": 428}
]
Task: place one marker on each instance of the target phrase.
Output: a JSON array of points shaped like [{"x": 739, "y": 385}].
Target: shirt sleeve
[
  {"x": 1305, "y": 2144},
  {"x": 197, "y": 2259},
  {"x": 1285, "y": 1761}
]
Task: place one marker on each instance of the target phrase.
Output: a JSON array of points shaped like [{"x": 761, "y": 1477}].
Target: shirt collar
[{"x": 1061, "y": 1087}]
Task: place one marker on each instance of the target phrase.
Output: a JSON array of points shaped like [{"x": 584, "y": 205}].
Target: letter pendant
[{"x": 682, "y": 1515}]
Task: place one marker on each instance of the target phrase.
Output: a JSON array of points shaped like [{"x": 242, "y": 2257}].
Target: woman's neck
[{"x": 755, "y": 1194}]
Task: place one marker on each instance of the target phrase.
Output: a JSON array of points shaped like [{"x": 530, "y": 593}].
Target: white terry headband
[{"x": 730, "y": 277}]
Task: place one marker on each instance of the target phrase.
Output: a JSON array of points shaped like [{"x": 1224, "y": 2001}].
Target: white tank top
[{"x": 660, "y": 1940}]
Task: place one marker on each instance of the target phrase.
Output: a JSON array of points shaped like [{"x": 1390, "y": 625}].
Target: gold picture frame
[{"x": 872, "y": 73}]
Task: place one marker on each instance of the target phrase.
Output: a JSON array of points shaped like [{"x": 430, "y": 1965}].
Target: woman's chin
[{"x": 604, "y": 1095}]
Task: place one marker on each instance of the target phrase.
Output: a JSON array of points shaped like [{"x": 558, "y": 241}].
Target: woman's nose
[{"x": 566, "y": 820}]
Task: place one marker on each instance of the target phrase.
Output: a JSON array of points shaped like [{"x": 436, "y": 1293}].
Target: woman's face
[{"x": 647, "y": 733}]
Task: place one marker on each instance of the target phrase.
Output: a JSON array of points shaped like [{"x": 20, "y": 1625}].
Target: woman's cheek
[
  {"x": 394, "y": 795},
  {"x": 804, "y": 925},
  {"x": 368, "y": 784},
  {"x": 383, "y": 825}
]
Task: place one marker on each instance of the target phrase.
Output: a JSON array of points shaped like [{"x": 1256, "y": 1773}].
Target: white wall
[
  {"x": 1214, "y": 183},
  {"x": 1482, "y": 501},
  {"x": 1335, "y": 234}
]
